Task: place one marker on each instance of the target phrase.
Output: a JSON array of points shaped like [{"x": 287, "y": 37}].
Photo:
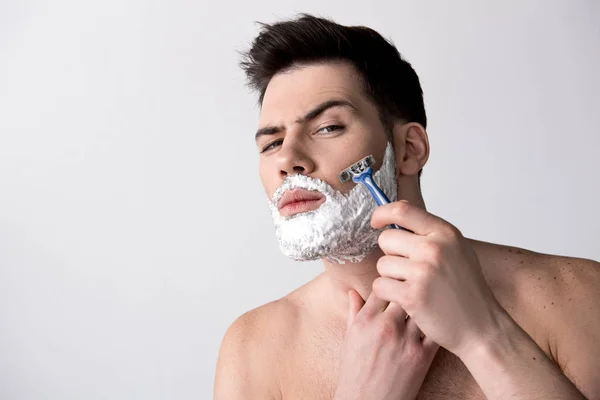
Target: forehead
[{"x": 292, "y": 92}]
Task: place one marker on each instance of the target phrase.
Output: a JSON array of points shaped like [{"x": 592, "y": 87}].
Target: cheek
[
  {"x": 329, "y": 166},
  {"x": 344, "y": 188},
  {"x": 343, "y": 157}
]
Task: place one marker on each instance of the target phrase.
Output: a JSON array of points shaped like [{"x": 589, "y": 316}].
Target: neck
[{"x": 356, "y": 276}]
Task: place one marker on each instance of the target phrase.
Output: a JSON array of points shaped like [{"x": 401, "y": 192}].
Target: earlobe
[{"x": 412, "y": 147}]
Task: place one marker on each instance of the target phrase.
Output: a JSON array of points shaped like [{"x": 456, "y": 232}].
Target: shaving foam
[{"x": 340, "y": 229}]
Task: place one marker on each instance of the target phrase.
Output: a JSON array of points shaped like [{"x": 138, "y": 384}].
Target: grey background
[{"x": 133, "y": 224}]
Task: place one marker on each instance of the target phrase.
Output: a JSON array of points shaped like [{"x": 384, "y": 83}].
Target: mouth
[{"x": 297, "y": 201}]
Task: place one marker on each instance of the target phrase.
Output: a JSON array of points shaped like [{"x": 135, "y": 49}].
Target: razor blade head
[{"x": 356, "y": 168}]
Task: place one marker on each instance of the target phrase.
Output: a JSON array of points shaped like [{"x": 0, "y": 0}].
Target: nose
[{"x": 292, "y": 158}]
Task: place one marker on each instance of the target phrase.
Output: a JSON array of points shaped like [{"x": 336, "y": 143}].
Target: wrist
[{"x": 496, "y": 340}]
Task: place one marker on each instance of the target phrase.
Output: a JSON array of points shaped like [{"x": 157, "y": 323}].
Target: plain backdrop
[{"x": 133, "y": 224}]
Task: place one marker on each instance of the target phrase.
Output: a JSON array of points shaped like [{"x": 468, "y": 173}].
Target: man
[{"x": 397, "y": 314}]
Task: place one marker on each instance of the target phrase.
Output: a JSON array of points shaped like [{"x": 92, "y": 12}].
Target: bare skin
[
  {"x": 304, "y": 339},
  {"x": 512, "y": 323}
]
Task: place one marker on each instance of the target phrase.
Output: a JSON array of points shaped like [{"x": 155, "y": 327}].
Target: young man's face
[
  {"x": 315, "y": 122},
  {"x": 322, "y": 145}
]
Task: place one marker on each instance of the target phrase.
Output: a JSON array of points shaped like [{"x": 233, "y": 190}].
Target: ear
[{"x": 412, "y": 147}]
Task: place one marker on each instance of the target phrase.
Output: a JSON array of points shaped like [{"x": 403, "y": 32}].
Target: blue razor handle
[{"x": 366, "y": 178}]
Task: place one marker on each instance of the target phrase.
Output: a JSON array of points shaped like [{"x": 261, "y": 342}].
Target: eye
[
  {"x": 331, "y": 128},
  {"x": 271, "y": 145}
]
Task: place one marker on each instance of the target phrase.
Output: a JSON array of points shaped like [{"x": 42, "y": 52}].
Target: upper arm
[
  {"x": 242, "y": 368},
  {"x": 576, "y": 326}
]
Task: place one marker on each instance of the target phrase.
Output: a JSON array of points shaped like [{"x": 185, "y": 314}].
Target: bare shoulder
[
  {"x": 268, "y": 323},
  {"x": 571, "y": 312},
  {"x": 253, "y": 349},
  {"x": 548, "y": 272},
  {"x": 526, "y": 280},
  {"x": 543, "y": 288},
  {"x": 556, "y": 299},
  {"x": 557, "y": 285},
  {"x": 568, "y": 297}
]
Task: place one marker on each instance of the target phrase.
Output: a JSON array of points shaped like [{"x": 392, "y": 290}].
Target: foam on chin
[{"x": 340, "y": 230}]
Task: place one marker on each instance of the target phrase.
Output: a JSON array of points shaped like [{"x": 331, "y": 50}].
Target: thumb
[{"x": 355, "y": 303}]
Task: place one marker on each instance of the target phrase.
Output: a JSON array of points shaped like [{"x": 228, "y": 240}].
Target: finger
[
  {"x": 397, "y": 312},
  {"x": 391, "y": 290},
  {"x": 355, "y": 303},
  {"x": 374, "y": 305},
  {"x": 399, "y": 268},
  {"x": 413, "y": 330},
  {"x": 397, "y": 242},
  {"x": 408, "y": 216}
]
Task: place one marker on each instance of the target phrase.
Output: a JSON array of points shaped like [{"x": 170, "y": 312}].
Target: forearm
[{"x": 510, "y": 365}]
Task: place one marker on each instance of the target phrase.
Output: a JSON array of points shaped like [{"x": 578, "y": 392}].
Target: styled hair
[{"x": 389, "y": 80}]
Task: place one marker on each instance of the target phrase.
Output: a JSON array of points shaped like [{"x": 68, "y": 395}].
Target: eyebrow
[{"x": 311, "y": 115}]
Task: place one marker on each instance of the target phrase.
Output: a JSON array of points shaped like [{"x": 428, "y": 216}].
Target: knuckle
[
  {"x": 386, "y": 329},
  {"x": 399, "y": 208},
  {"x": 360, "y": 324},
  {"x": 420, "y": 296},
  {"x": 423, "y": 272},
  {"x": 432, "y": 251},
  {"x": 453, "y": 232}
]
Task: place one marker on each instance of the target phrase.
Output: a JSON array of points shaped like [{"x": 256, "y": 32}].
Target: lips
[{"x": 299, "y": 200}]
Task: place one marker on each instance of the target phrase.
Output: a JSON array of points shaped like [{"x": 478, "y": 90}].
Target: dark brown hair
[{"x": 389, "y": 80}]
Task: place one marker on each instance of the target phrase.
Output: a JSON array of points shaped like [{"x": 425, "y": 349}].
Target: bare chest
[{"x": 312, "y": 374}]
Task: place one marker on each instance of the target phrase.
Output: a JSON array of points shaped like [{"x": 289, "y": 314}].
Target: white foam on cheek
[{"x": 340, "y": 229}]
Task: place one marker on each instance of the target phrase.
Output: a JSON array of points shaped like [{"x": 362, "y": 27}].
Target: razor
[{"x": 362, "y": 172}]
